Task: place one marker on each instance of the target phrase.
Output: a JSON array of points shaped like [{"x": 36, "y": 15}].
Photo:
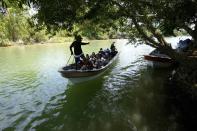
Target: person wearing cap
[{"x": 78, "y": 53}]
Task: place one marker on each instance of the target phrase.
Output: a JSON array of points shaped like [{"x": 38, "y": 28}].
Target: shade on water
[{"x": 34, "y": 96}]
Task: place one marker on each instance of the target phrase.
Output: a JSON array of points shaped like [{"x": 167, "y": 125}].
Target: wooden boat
[
  {"x": 73, "y": 73},
  {"x": 159, "y": 59}
]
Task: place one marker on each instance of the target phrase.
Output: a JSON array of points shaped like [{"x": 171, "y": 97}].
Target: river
[{"x": 128, "y": 97}]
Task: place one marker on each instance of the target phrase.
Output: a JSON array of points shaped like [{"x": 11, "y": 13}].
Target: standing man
[{"x": 78, "y": 53}]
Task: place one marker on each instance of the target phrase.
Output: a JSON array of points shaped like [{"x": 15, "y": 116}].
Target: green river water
[{"x": 128, "y": 97}]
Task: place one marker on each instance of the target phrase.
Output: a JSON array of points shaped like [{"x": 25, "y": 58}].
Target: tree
[{"x": 149, "y": 20}]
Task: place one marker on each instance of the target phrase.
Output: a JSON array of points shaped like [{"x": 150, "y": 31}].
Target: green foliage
[
  {"x": 63, "y": 33},
  {"x": 146, "y": 19},
  {"x": 5, "y": 42},
  {"x": 39, "y": 36},
  {"x": 15, "y": 26},
  {"x": 90, "y": 31}
]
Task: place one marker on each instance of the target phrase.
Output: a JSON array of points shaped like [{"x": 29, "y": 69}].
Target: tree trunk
[
  {"x": 181, "y": 58},
  {"x": 195, "y": 38}
]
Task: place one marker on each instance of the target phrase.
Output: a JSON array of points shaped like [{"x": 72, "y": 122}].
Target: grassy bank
[{"x": 7, "y": 43}]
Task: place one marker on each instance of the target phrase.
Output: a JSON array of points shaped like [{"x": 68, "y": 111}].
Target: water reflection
[
  {"x": 128, "y": 98},
  {"x": 68, "y": 110},
  {"x": 33, "y": 95}
]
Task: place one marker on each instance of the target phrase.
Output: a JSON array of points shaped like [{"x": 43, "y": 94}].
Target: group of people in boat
[
  {"x": 93, "y": 61},
  {"x": 183, "y": 45}
]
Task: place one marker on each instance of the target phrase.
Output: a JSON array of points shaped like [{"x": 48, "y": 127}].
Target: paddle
[{"x": 68, "y": 60}]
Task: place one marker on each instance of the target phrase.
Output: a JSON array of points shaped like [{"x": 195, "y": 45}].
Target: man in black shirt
[
  {"x": 113, "y": 50},
  {"x": 78, "y": 53}
]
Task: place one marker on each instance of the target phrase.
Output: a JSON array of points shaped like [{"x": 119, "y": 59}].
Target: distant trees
[
  {"x": 16, "y": 26},
  {"x": 147, "y": 20}
]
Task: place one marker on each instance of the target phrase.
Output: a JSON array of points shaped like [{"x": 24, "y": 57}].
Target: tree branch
[
  {"x": 140, "y": 30},
  {"x": 188, "y": 29},
  {"x": 151, "y": 41}
]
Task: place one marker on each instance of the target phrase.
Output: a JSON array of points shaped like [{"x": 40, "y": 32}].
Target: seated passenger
[
  {"x": 84, "y": 67},
  {"x": 88, "y": 62},
  {"x": 102, "y": 52},
  {"x": 183, "y": 45},
  {"x": 106, "y": 60},
  {"x": 93, "y": 55},
  {"x": 97, "y": 64},
  {"x": 103, "y": 61},
  {"x": 93, "y": 58}
]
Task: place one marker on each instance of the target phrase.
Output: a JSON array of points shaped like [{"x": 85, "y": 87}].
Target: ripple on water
[
  {"x": 37, "y": 97},
  {"x": 119, "y": 84}
]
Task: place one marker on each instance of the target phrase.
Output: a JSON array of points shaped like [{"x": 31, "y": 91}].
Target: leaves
[{"x": 138, "y": 18}]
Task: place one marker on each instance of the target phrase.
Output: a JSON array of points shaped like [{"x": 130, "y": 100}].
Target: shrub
[
  {"x": 5, "y": 42},
  {"x": 40, "y": 36}
]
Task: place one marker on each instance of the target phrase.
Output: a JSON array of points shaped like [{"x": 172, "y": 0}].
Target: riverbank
[{"x": 55, "y": 39}]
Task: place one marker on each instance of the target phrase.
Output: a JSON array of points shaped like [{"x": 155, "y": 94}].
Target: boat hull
[
  {"x": 159, "y": 60},
  {"x": 86, "y": 73},
  {"x": 77, "y": 74}
]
